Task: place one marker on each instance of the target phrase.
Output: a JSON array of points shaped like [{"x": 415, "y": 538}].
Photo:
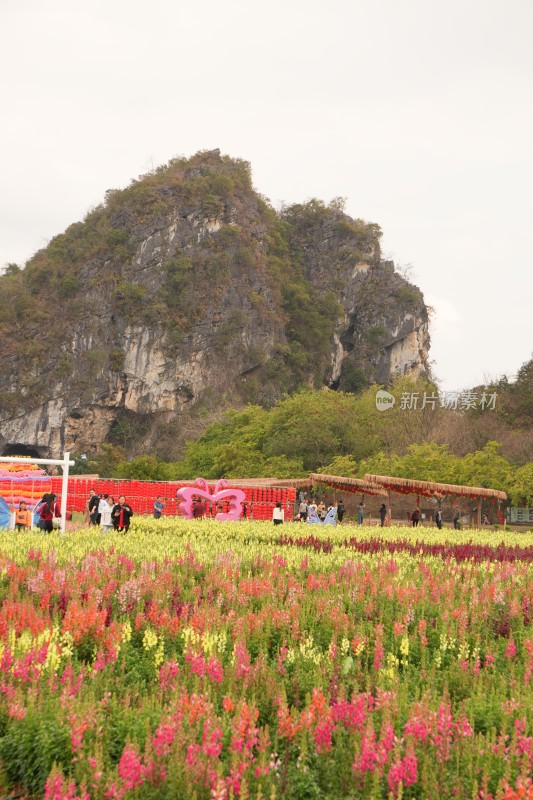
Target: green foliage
[
  {"x": 376, "y": 336},
  {"x": 342, "y": 465},
  {"x": 521, "y": 485},
  {"x": 353, "y": 379},
  {"x": 9, "y": 402},
  {"x": 142, "y": 468},
  {"x": 228, "y": 332},
  {"x": 68, "y": 286},
  {"x": 485, "y": 468},
  {"x": 428, "y": 461},
  {"x": 128, "y": 297},
  {"x": 516, "y": 399},
  {"x": 212, "y": 206},
  {"x": 116, "y": 359},
  {"x": 12, "y": 269},
  {"x": 332, "y": 432},
  {"x": 29, "y": 750},
  {"x": 409, "y": 296}
]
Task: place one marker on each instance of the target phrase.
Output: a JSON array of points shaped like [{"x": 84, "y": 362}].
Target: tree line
[{"x": 345, "y": 434}]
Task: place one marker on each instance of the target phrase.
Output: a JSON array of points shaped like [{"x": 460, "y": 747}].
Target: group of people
[
  {"x": 320, "y": 508},
  {"x": 47, "y": 511},
  {"x": 102, "y": 510}
]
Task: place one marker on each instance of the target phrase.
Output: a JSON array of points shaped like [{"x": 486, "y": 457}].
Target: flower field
[{"x": 220, "y": 660}]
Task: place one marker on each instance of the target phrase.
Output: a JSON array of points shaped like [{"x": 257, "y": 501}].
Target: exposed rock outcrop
[{"x": 185, "y": 294}]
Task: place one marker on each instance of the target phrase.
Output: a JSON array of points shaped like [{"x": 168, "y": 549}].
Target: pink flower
[
  {"x": 510, "y": 650},
  {"x": 57, "y": 788},
  {"x": 212, "y": 741},
  {"x": 403, "y": 771},
  {"x": 16, "y": 710},
  {"x": 417, "y": 728},
  {"x": 353, "y": 715},
  {"x": 463, "y": 727},
  {"x": 193, "y": 752},
  {"x": 163, "y": 737},
  {"x": 197, "y": 662},
  {"x": 242, "y": 660},
  {"x": 369, "y": 757},
  {"x": 130, "y": 768},
  {"x": 322, "y": 735},
  {"x": 167, "y": 674},
  {"x": 214, "y": 670}
]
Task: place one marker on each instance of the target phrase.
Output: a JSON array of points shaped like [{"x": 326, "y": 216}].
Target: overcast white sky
[{"x": 418, "y": 112}]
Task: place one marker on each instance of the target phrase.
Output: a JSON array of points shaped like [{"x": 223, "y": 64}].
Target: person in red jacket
[{"x": 45, "y": 510}]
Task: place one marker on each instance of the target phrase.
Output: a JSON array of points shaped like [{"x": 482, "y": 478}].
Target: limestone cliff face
[{"x": 186, "y": 294}]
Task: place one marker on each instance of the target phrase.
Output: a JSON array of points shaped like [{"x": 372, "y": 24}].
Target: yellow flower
[
  {"x": 126, "y": 631},
  {"x": 149, "y": 639}
]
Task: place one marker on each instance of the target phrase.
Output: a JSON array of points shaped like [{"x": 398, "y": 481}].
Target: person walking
[
  {"x": 278, "y": 515},
  {"x": 302, "y": 510},
  {"x": 104, "y": 510},
  {"x": 121, "y": 515},
  {"x": 158, "y": 507},
  {"x": 438, "y": 519},
  {"x": 456, "y": 521},
  {"x": 382, "y": 514},
  {"x": 341, "y": 510},
  {"x": 415, "y": 517},
  {"x": 46, "y": 514},
  {"x": 92, "y": 507},
  {"x": 360, "y": 512}
]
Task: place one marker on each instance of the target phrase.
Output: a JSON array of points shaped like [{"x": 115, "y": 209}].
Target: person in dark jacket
[
  {"x": 92, "y": 505},
  {"x": 438, "y": 519},
  {"x": 45, "y": 510},
  {"x": 121, "y": 515},
  {"x": 415, "y": 517},
  {"x": 158, "y": 507},
  {"x": 382, "y": 513},
  {"x": 340, "y": 510}
]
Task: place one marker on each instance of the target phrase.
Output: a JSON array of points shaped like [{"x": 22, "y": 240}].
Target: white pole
[
  {"x": 64, "y": 490},
  {"x": 58, "y": 462},
  {"x": 65, "y": 462}
]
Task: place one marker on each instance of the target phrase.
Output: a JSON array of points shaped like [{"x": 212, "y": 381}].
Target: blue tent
[{"x": 5, "y": 514}]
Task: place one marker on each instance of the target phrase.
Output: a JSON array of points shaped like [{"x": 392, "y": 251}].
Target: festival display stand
[
  {"x": 261, "y": 494},
  {"x": 437, "y": 491}
]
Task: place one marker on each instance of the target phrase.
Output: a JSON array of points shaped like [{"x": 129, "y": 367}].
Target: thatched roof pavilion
[
  {"x": 348, "y": 484},
  {"x": 436, "y": 490},
  {"x": 431, "y": 488}
]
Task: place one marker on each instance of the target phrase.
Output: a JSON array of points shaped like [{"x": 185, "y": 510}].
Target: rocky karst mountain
[{"x": 187, "y": 293}]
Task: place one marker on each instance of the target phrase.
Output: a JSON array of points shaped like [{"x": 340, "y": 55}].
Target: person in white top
[
  {"x": 104, "y": 509},
  {"x": 278, "y": 515}
]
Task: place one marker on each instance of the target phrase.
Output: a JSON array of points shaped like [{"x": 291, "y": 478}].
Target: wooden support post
[{"x": 480, "y": 500}]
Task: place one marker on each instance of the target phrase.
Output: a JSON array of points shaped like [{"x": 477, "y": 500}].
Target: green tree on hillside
[
  {"x": 486, "y": 468},
  {"x": 521, "y": 485}
]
